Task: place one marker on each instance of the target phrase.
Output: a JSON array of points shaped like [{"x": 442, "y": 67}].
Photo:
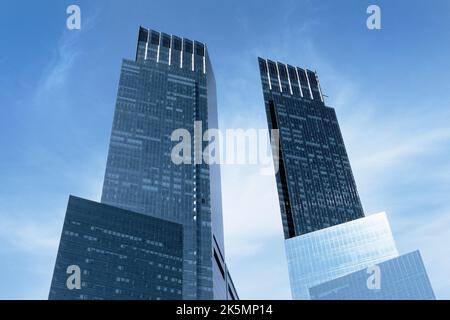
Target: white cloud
[
  {"x": 378, "y": 143},
  {"x": 29, "y": 248},
  {"x": 30, "y": 237},
  {"x": 55, "y": 76},
  {"x": 58, "y": 70},
  {"x": 251, "y": 211}
]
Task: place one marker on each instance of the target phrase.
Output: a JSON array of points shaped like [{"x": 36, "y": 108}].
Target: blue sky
[{"x": 390, "y": 88}]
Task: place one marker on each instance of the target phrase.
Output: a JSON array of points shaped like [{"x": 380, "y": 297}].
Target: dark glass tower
[
  {"x": 315, "y": 183},
  {"x": 169, "y": 86},
  {"x": 329, "y": 242}
]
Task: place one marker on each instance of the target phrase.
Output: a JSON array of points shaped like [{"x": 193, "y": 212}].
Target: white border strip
[
  {"x": 320, "y": 88},
  {"x": 309, "y": 85},
  {"x": 298, "y": 80},
  {"x": 279, "y": 80},
  {"x": 181, "y": 54},
  {"x": 289, "y": 78},
  {"x": 268, "y": 74},
  {"x": 146, "y": 44}
]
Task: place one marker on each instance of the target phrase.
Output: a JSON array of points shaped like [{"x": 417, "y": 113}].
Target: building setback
[
  {"x": 401, "y": 278},
  {"x": 326, "y": 254},
  {"x": 121, "y": 255}
]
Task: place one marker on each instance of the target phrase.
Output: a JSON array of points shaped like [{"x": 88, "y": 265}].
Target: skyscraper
[
  {"x": 169, "y": 85},
  {"x": 326, "y": 233},
  {"x": 315, "y": 182}
]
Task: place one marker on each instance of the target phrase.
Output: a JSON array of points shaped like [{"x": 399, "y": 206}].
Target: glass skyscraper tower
[
  {"x": 169, "y": 86},
  {"x": 326, "y": 233},
  {"x": 315, "y": 183}
]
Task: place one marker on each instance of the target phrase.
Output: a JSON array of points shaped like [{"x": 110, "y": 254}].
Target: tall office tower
[
  {"x": 169, "y": 86},
  {"x": 315, "y": 183}
]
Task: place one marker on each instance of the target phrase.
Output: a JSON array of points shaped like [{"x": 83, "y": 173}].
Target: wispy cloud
[
  {"x": 251, "y": 209},
  {"x": 30, "y": 237},
  {"x": 414, "y": 145},
  {"x": 66, "y": 55},
  {"x": 58, "y": 70},
  {"x": 28, "y": 252}
]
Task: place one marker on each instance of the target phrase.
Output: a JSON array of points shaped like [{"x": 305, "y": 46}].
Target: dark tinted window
[
  {"x": 272, "y": 68},
  {"x": 154, "y": 38},
  {"x": 282, "y": 69},
  {"x": 165, "y": 40},
  {"x": 143, "y": 34},
  {"x": 302, "y": 76},
  {"x": 199, "y": 49},
  {"x": 188, "y": 45},
  {"x": 292, "y": 74},
  {"x": 176, "y": 43},
  {"x": 312, "y": 79},
  {"x": 262, "y": 66}
]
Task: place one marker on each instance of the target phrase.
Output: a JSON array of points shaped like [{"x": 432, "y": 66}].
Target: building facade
[
  {"x": 119, "y": 254},
  {"x": 326, "y": 233},
  {"x": 330, "y": 253},
  {"x": 170, "y": 85},
  {"x": 401, "y": 278},
  {"x": 316, "y": 188}
]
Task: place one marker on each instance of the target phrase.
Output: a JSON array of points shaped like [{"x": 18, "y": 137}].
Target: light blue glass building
[
  {"x": 330, "y": 253},
  {"x": 401, "y": 278}
]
